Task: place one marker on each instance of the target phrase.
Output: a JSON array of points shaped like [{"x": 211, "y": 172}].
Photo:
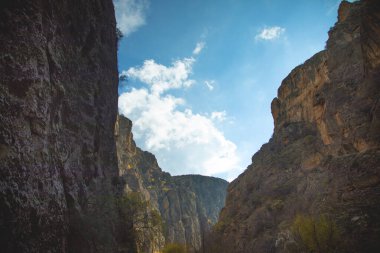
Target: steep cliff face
[
  {"x": 191, "y": 206},
  {"x": 324, "y": 156},
  {"x": 58, "y": 105},
  {"x": 188, "y": 204}
]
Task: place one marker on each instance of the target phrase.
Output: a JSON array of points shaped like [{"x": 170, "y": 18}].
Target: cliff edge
[
  {"x": 323, "y": 159},
  {"x": 188, "y": 205},
  {"x": 58, "y": 105}
]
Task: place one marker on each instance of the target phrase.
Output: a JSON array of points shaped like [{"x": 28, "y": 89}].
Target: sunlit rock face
[
  {"x": 58, "y": 105},
  {"x": 188, "y": 204},
  {"x": 324, "y": 155}
]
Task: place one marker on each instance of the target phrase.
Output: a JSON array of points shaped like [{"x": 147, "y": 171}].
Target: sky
[{"x": 199, "y": 75}]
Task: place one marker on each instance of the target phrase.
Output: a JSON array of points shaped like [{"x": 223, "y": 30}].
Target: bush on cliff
[
  {"x": 174, "y": 248},
  {"x": 141, "y": 222},
  {"x": 315, "y": 234}
]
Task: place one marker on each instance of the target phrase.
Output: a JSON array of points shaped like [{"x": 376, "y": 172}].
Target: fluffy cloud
[
  {"x": 183, "y": 141},
  {"x": 162, "y": 78},
  {"x": 130, "y": 14},
  {"x": 198, "y": 48},
  {"x": 270, "y": 33},
  {"x": 219, "y": 116},
  {"x": 210, "y": 84}
]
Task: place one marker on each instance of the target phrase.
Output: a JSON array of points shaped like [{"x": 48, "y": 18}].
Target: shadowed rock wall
[{"x": 58, "y": 105}]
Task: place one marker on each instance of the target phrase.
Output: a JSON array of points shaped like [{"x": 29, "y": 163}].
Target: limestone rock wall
[
  {"x": 324, "y": 155},
  {"x": 58, "y": 105},
  {"x": 188, "y": 204}
]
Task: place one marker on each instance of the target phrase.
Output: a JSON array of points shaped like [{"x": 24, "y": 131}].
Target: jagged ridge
[{"x": 188, "y": 204}]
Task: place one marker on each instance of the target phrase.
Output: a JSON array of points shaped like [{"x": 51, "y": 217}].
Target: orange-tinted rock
[{"x": 324, "y": 156}]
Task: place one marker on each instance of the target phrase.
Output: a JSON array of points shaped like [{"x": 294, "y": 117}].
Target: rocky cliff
[
  {"x": 324, "y": 157},
  {"x": 187, "y": 204},
  {"x": 58, "y": 105}
]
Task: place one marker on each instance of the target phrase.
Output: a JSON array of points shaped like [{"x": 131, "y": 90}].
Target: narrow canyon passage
[{"x": 126, "y": 126}]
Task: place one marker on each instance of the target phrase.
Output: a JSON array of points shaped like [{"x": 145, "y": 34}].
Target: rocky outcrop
[
  {"x": 324, "y": 156},
  {"x": 188, "y": 204},
  {"x": 58, "y": 105}
]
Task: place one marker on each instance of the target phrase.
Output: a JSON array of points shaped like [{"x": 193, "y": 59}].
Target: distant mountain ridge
[
  {"x": 65, "y": 165},
  {"x": 188, "y": 204}
]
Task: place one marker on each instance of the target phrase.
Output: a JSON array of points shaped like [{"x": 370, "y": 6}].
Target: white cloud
[
  {"x": 130, "y": 14},
  {"x": 270, "y": 33},
  {"x": 183, "y": 141},
  {"x": 198, "y": 48},
  {"x": 210, "y": 84},
  {"x": 220, "y": 116},
  {"x": 162, "y": 78}
]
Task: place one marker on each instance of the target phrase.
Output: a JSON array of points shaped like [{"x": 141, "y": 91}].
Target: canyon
[
  {"x": 72, "y": 178},
  {"x": 188, "y": 205},
  {"x": 64, "y": 162}
]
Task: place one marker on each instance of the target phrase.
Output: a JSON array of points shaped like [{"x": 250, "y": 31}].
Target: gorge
[
  {"x": 188, "y": 205},
  {"x": 73, "y": 180}
]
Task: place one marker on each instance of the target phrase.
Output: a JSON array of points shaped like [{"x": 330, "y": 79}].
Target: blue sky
[{"x": 201, "y": 74}]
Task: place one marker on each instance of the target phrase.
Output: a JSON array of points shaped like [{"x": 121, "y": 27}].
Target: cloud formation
[
  {"x": 219, "y": 116},
  {"x": 270, "y": 33},
  {"x": 198, "y": 48},
  {"x": 162, "y": 78},
  {"x": 183, "y": 141},
  {"x": 210, "y": 84},
  {"x": 130, "y": 14}
]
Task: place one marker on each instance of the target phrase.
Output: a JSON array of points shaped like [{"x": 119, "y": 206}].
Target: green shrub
[
  {"x": 174, "y": 248},
  {"x": 141, "y": 221},
  {"x": 119, "y": 36},
  {"x": 165, "y": 189},
  {"x": 219, "y": 226},
  {"x": 316, "y": 234}
]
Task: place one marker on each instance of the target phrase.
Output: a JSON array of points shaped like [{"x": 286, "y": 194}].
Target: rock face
[
  {"x": 324, "y": 156},
  {"x": 188, "y": 204},
  {"x": 58, "y": 105}
]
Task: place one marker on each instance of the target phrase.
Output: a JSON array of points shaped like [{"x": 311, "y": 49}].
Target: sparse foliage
[
  {"x": 140, "y": 219},
  {"x": 119, "y": 36},
  {"x": 214, "y": 242},
  {"x": 174, "y": 248},
  {"x": 315, "y": 234}
]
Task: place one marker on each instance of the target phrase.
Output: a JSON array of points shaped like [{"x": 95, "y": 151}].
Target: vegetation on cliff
[
  {"x": 72, "y": 181},
  {"x": 314, "y": 187},
  {"x": 188, "y": 205}
]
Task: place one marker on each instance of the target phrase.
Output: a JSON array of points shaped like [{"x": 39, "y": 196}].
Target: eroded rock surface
[
  {"x": 188, "y": 204},
  {"x": 324, "y": 156},
  {"x": 58, "y": 105}
]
